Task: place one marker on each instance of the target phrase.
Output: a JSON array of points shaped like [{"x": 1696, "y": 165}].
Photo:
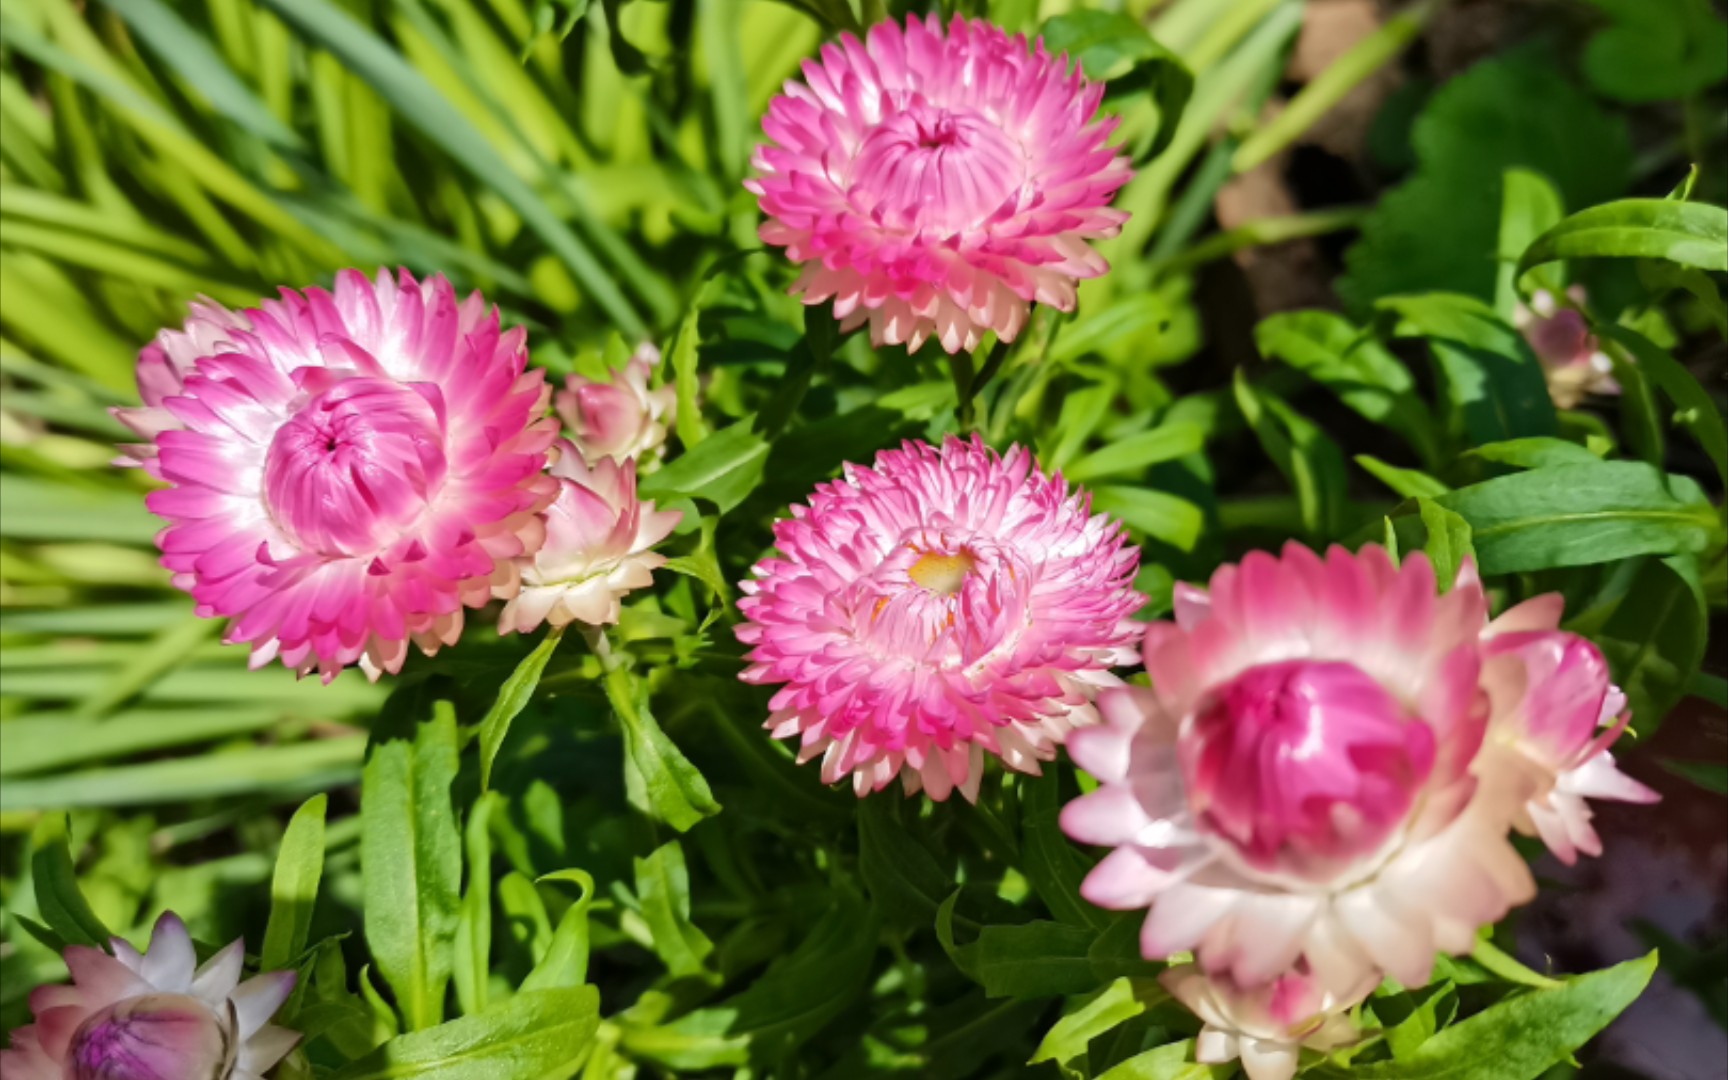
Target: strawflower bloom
[
  {"x": 1572, "y": 359},
  {"x": 937, "y": 184},
  {"x": 621, "y": 418},
  {"x": 599, "y": 541},
  {"x": 938, "y": 606},
  {"x": 347, "y": 470},
  {"x": 1268, "y": 1026},
  {"x": 154, "y": 1015},
  {"x": 1306, "y": 781}
]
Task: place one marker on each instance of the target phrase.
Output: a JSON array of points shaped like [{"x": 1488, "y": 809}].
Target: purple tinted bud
[{"x": 152, "y": 1037}]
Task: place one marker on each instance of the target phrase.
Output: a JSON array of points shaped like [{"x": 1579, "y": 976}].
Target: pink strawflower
[
  {"x": 347, "y": 469},
  {"x": 939, "y": 605},
  {"x": 1556, "y": 713},
  {"x": 1572, "y": 359},
  {"x": 621, "y": 419},
  {"x": 1267, "y": 1026},
  {"x": 597, "y": 549},
  {"x": 1300, "y": 782},
  {"x": 153, "y": 1016},
  {"x": 938, "y": 184}
]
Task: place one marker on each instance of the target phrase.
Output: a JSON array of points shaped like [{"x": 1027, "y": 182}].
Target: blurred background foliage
[{"x": 581, "y": 162}]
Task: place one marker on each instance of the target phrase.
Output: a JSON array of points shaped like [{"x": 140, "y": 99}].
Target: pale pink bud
[
  {"x": 1267, "y": 1026},
  {"x": 153, "y": 1037},
  {"x": 620, "y": 419}
]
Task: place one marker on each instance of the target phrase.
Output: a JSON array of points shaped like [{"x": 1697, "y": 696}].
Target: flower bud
[
  {"x": 1266, "y": 1027},
  {"x": 153, "y": 1037},
  {"x": 621, "y": 419}
]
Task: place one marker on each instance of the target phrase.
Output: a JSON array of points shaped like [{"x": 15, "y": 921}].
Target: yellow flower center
[{"x": 942, "y": 573}]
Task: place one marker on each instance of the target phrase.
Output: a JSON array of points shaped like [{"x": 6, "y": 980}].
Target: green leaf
[
  {"x": 1533, "y": 452},
  {"x": 800, "y": 994},
  {"x": 472, "y": 966},
  {"x": 724, "y": 470},
  {"x": 1490, "y": 376},
  {"x": 686, "y": 349},
  {"x": 1308, "y": 459},
  {"x": 1114, "y": 48},
  {"x": 1172, "y": 1061},
  {"x": 512, "y": 698},
  {"x": 904, "y": 880},
  {"x": 566, "y": 960},
  {"x": 544, "y": 1034},
  {"x": 1576, "y": 515},
  {"x": 1448, "y": 543},
  {"x": 1656, "y": 638},
  {"x": 1439, "y": 230},
  {"x": 1522, "y": 1036},
  {"x": 1036, "y": 959},
  {"x": 1657, "y": 50},
  {"x": 1412, "y": 1018},
  {"x": 1349, "y": 362},
  {"x": 662, "y": 781},
  {"x": 411, "y": 864},
  {"x": 58, "y": 898},
  {"x": 1136, "y": 453},
  {"x": 1410, "y": 483},
  {"x": 1686, "y": 233},
  {"x": 663, "y": 886},
  {"x": 1122, "y": 1000},
  {"x": 294, "y": 887},
  {"x": 1529, "y": 207},
  {"x": 1157, "y": 514},
  {"x": 1050, "y": 861},
  {"x": 1712, "y": 776},
  {"x": 288, "y": 770},
  {"x": 1697, "y": 412}
]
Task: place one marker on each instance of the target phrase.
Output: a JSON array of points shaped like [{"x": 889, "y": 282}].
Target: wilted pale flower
[
  {"x": 939, "y": 605},
  {"x": 938, "y": 184},
  {"x": 598, "y": 545},
  {"x": 621, "y": 419},
  {"x": 1266, "y": 1026},
  {"x": 1572, "y": 359},
  {"x": 347, "y": 470},
  {"x": 1297, "y": 783},
  {"x": 151, "y": 1016},
  {"x": 1555, "y": 715}
]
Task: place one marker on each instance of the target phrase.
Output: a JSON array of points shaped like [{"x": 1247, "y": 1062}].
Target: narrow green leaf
[
  {"x": 1488, "y": 373},
  {"x": 1172, "y": 1061},
  {"x": 1534, "y": 452},
  {"x": 296, "y": 769},
  {"x": 1116, "y": 1004},
  {"x": 1136, "y": 453},
  {"x": 566, "y": 960},
  {"x": 544, "y": 1034},
  {"x": 411, "y": 864},
  {"x": 1575, "y": 515},
  {"x": 1686, "y": 233},
  {"x": 1522, "y": 1036},
  {"x": 1448, "y": 543},
  {"x": 1410, "y": 483},
  {"x": 294, "y": 887},
  {"x": 512, "y": 698},
  {"x": 724, "y": 470},
  {"x": 1697, "y": 412},
  {"x": 1529, "y": 206},
  {"x": 471, "y": 970},
  {"x": 1712, "y": 776},
  {"x": 58, "y": 898},
  {"x": 662, "y": 781},
  {"x": 1656, "y": 638},
  {"x": 663, "y": 886},
  {"x": 1051, "y": 862}
]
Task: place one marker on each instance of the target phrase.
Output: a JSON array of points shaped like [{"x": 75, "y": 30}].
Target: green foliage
[{"x": 522, "y": 859}]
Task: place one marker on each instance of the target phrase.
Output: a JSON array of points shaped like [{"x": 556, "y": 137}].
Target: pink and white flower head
[
  {"x": 938, "y": 606},
  {"x": 1297, "y": 783},
  {"x": 1556, "y": 713},
  {"x": 621, "y": 419},
  {"x": 155, "y": 1015},
  {"x": 599, "y": 540},
  {"x": 1267, "y": 1026},
  {"x": 1572, "y": 359},
  {"x": 347, "y": 470},
  {"x": 937, "y": 184}
]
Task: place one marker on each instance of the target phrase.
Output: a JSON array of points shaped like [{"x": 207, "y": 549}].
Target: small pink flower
[
  {"x": 622, "y": 419},
  {"x": 938, "y": 606},
  {"x": 597, "y": 549},
  {"x": 1297, "y": 785},
  {"x": 1556, "y": 714},
  {"x": 152, "y": 1016},
  {"x": 936, "y": 185},
  {"x": 347, "y": 470},
  {"x": 1267, "y": 1026},
  {"x": 1572, "y": 359}
]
